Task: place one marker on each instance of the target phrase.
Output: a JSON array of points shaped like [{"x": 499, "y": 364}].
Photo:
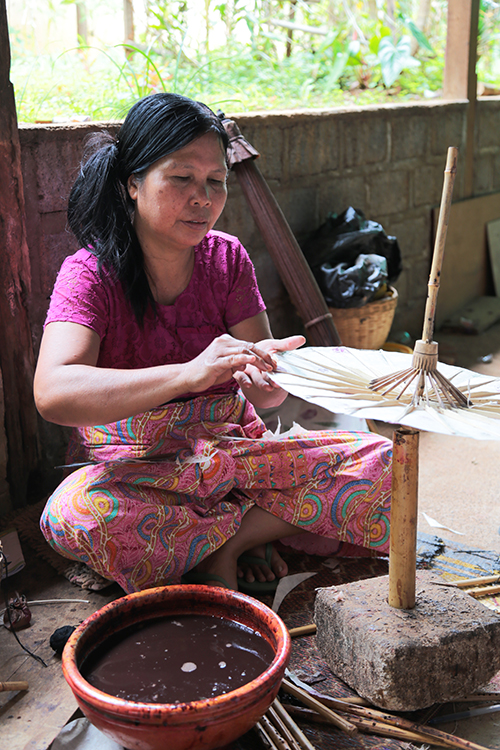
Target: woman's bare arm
[{"x": 71, "y": 390}]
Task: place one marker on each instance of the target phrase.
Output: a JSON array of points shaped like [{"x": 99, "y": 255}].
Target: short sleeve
[
  {"x": 244, "y": 298},
  {"x": 79, "y": 294}
]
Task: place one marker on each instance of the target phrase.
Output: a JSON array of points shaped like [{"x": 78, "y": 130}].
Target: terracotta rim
[{"x": 275, "y": 631}]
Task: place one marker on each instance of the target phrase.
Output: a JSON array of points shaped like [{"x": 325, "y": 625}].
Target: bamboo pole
[
  {"x": 11, "y": 686},
  {"x": 450, "y": 171},
  {"x": 302, "y": 630},
  {"x": 403, "y": 543}
]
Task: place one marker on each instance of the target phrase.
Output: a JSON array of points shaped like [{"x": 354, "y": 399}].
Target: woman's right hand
[{"x": 221, "y": 360}]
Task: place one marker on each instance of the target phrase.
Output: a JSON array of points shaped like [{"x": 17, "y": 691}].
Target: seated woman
[{"x": 156, "y": 349}]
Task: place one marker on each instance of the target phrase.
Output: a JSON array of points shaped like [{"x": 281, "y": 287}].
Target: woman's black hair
[{"x": 100, "y": 208}]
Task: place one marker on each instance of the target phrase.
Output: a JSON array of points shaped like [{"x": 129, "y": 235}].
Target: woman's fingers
[{"x": 288, "y": 344}]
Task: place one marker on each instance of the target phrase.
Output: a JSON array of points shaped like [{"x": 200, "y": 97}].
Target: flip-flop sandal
[
  {"x": 258, "y": 587},
  {"x": 193, "y": 576}
]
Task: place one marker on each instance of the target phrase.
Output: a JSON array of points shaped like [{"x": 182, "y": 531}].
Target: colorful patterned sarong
[{"x": 170, "y": 486}]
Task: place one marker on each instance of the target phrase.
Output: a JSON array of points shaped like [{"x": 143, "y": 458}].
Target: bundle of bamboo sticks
[{"x": 278, "y": 729}]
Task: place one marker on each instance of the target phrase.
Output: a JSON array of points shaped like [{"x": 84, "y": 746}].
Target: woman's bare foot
[
  {"x": 257, "y": 528},
  {"x": 221, "y": 563},
  {"x": 262, "y": 572}
]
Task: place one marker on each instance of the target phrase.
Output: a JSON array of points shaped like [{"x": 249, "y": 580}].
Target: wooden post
[
  {"x": 128, "y": 20},
  {"x": 16, "y": 352},
  {"x": 460, "y": 79},
  {"x": 403, "y": 544},
  {"x": 82, "y": 26}
]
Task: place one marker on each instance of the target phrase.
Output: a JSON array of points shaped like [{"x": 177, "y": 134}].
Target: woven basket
[{"x": 366, "y": 327}]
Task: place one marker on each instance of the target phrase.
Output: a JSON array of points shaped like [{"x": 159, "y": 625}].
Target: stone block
[
  {"x": 488, "y": 124},
  {"x": 335, "y": 195},
  {"x": 448, "y": 128},
  {"x": 388, "y": 192},
  {"x": 405, "y": 660},
  {"x": 483, "y": 174},
  {"x": 408, "y": 136},
  {"x": 428, "y": 184},
  {"x": 313, "y": 148},
  {"x": 365, "y": 142},
  {"x": 412, "y": 235}
]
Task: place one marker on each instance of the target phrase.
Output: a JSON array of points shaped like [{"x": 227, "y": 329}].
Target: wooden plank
[
  {"x": 476, "y": 317},
  {"x": 460, "y": 79},
  {"x": 493, "y": 233},
  {"x": 459, "y": 50},
  {"x": 32, "y": 719},
  {"x": 16, "y": 349},
  {"x": 465, "y": 270}
]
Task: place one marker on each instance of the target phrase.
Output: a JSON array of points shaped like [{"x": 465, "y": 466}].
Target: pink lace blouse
[{"x": 221, "y": 293}]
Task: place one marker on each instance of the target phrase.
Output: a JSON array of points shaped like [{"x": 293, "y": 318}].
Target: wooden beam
[
  {"x": 16, "y": 351},
  {"x": 128, "y": 20},
  {"x": 460, "y": 79}
]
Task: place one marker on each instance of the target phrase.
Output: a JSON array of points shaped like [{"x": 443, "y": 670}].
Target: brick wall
[{"x": 387, "y": 161}]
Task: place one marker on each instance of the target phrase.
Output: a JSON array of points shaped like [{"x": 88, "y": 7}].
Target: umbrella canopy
[{"x": 338, "y": 379}]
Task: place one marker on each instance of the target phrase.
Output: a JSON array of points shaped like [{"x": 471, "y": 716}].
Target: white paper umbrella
[{"x": 338, "y": 379}]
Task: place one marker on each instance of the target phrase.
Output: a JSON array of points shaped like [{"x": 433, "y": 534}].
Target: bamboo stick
[
  {"x": 373, "y": 714},
  {"x": 465, "y": 582},
  {"x": 302, "y": 630},
  {"x": 265, "y": 737},
  {"x": 373, "y": 727},
  {"x": 483, "y": 591},
  {"x": 273, "y": 734},
  {"x": 302, "y": 695},
  {"x": 403, "y": 541},
  {"x": 283, "y": 729},
  {"x": 479, "y": 698},
  {"x": 450, "y": 171},
  {"x": 291, "y": 724},
  {"x": 355, "y": 700},
  {"x": 8, "y": 686}
]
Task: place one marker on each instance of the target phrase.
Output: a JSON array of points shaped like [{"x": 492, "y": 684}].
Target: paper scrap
[
  {"x": 435, "y": 524},
  {"x": 287, "y": 584},
  {"x": 331, "y": 562}
]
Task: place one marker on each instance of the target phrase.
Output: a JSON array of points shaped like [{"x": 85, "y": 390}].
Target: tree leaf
[
  {"x": 419, "y": 35},
  {"x": 395, "y": 58}
]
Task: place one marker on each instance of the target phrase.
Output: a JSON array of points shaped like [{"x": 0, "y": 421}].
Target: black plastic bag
[
  {"x": 341, "y": 240},
  {"x": 353, "y": 286}
]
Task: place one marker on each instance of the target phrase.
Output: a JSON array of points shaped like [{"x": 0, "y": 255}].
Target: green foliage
[{"x": 248, "y": 57}]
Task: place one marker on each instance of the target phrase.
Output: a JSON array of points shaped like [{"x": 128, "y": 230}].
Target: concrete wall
[{"x": 387, "y": 161}]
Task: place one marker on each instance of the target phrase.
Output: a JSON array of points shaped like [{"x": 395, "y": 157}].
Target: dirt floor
[{"x": 458, "y": 487}]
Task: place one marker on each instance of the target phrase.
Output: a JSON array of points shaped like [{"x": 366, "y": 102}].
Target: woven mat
[{"x": 27, "y": 524}]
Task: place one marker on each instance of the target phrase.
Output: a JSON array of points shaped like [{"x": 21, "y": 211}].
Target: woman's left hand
[{"x": 259, "y": 386}]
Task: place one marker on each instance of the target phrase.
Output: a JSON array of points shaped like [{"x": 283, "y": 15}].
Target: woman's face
[{"x": 181, "y": 196}]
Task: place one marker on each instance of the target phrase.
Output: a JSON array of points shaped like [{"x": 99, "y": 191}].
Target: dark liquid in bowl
[{"x": 178, "y": 659}]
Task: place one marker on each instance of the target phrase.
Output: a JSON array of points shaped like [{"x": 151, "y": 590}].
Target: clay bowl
[{"x": 207, "y": 724}]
